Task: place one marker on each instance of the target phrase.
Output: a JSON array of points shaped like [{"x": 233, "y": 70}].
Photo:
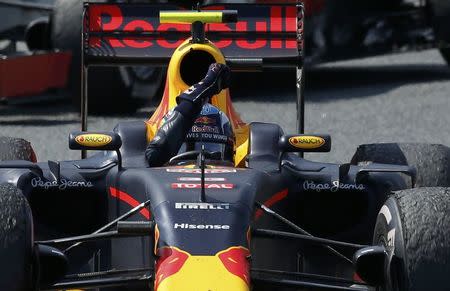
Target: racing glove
[{"x": 217, "y": 79}]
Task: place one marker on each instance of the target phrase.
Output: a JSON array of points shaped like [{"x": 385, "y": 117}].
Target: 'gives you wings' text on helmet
[{"x": 211, "y": 129}]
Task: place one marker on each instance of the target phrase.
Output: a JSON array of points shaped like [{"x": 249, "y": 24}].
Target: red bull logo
[
  {"x": 205, "y": 120},
  {"x": 227, "y": 270},
  {"x": 114, "y": 18}
]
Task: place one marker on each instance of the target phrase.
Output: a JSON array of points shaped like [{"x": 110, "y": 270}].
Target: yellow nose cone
[{"x": 227, "y": 270}]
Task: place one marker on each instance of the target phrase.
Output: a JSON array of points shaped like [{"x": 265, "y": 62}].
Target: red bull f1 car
[{"x": 271, "y": 220}]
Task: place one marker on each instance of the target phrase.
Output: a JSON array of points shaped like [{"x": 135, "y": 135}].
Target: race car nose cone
[{"x": 227, "y": 270}]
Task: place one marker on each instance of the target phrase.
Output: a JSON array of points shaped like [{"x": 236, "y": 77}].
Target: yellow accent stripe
[{"x": 190, "y": 17}]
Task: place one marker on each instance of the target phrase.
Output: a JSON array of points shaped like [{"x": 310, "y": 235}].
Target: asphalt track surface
[{"x": 394, "y": 98}]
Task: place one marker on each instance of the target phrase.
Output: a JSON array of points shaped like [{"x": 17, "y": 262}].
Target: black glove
[
  {"x": 219, "y": 76},
  {"x": 217, "y": 79}
]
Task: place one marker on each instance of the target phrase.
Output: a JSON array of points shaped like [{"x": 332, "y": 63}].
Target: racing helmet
[{"x": 211, "y": 129}]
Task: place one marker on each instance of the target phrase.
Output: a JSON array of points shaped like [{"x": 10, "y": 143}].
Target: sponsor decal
[
  {"x": 307, "y": 142},
  {"x": 198, "y": 186},
  {"x": 198, "y": 171},
  {"x": 64, "y": 184},
  {"x": 113, "y": 18},
  {"x": 207, "y": 206},
  {"x": 205, "y": 120},
  {"x": 201, "y": 226},
  {"x": 93, "y": 139},
  {"x": 231, "y": 269},
  {"x": 333, "y": 187},
  {"x": 205, "y": 128},
  {"x": 220, "y": 138},
  {"x": 198, "y": 179}
]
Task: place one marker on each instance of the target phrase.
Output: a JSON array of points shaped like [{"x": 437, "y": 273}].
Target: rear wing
[{"x": 265, "y": 36}]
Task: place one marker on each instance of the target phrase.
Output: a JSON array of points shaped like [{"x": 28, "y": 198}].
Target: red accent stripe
[
  {"x": 122, "y": 196},
  {"x": 271, "y": 201}
]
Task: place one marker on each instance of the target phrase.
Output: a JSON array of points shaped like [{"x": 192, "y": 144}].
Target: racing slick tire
[
  {"x": 108, "y": 91},
  {"x": 16, "y": 149},
  {"x": 16, "y": 241},
  {"x": 413, "y": 226},
  {"x": 432, "y": 161}
]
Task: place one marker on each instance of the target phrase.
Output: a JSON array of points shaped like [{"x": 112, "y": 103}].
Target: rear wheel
[
  {"x": 16, "y": 241},
  {"x": 16, "y": 149},
  {"x": 413, "y": 226},
  {"x": 432, "y": 161}
]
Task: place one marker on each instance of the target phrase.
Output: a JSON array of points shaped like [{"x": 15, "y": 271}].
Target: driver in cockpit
[{"x": 194, "y": 123}]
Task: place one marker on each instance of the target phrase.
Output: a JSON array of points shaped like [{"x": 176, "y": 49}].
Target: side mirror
[
  {"x": 99, "y": 141},
  {"x": 304, "y": 143}
]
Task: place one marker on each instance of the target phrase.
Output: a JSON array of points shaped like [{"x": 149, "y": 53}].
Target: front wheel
[
  {"x": 16, "y": 241},
  {"x": 413, "y": 226}
]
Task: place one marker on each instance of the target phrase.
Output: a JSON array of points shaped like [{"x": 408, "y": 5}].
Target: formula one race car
[{"x": 269, "y": 220}]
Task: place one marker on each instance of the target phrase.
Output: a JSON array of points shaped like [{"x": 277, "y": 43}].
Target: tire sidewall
[{"x": 389, "y": 233}]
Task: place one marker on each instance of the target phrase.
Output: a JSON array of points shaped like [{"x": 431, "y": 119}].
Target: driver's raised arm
[{"x": 170, "y": 136}]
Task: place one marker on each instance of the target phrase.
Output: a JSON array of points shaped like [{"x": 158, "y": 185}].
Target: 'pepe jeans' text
[
  {"x": 333, "y": 187},
  {"x": 64, "y": 184}
]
